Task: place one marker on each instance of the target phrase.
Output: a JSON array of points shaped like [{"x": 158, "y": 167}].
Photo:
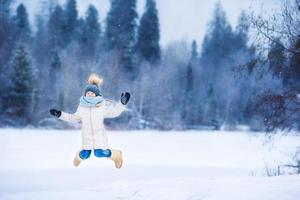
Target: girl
[{"x": 92, "y": 110}]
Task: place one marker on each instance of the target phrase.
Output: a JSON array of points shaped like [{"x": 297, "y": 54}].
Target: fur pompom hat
[{"x": 94, "y": 82}]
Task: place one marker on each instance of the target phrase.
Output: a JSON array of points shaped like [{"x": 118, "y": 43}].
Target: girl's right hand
[{"x": 56, "y": 113}]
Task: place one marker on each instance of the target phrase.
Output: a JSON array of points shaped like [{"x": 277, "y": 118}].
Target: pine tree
[
  {"x": 71, "y": 21},
  {"x": 56, "y": 80},
  {"x": 217, "y": 43},
  {"x": 240, "y": 44},
  {"x": 241, "y": 67},
  {"x": 19, "y": 99},
  {"x": 216, "y": 60},
  {"x": 7, "y": 29},
  {"x": 241, "y": 32},
  {"x": 90, "y": 33},
  {"x": 187, "y": 110},
  {"x": 212, "y": 116},
  {"x": 113, "y": 26},
  {"x": 149, "y": 34},
  {"x": 194, "y": 55},
  {"x": 23, "y": 31},
  {"x": 56, "y": 28},
  {"x": 120, "y": 33}
]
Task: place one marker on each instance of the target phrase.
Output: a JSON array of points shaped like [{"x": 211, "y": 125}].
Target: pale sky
[{"x": 179, "y": 19}]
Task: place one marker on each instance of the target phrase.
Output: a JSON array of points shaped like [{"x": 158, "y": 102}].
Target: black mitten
[
  {"x": 56, "y": 113},
  {"x": 125, "y": 98}
]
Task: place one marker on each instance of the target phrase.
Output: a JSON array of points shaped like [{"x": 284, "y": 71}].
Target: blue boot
[
  {"x": 102, "y": 153},
  {"x": 80, "y": 156}
]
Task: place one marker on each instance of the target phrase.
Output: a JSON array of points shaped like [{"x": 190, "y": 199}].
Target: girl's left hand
[{"x": 125, "y": 98}]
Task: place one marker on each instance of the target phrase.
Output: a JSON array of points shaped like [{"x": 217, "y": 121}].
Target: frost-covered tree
[
  {"x": 280, "y": 107},
  {"x": 277, "y": 60},
  {"x": 120, "y": 33},
  {"x": 23, "y": 30},
  {"x": 188, "y": 101},
  {"x": 7, "y": 30},
  {"x": 90, "y": 33},
  {"x": 19, "y": 98},
  {"x": 295, "y": 64},
  {"x": 226, "y": 62},
  {"x": 56, "y": 28},
  {"x": 240, "y": 61},
  {"x": 216, "y": 60},
  {"x": 194, "y": 55},
  {"x": 70, "y": 21},
  {"x": 242, "y": 32},
  {"x": 56, "y": 80},
  {"x": 217, "y": 42},
  {"x": 149, "y": 34},
  {"x": 187, "y": 110}
]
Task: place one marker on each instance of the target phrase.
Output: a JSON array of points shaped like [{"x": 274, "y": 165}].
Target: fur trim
[{"x": 94, "y": 79}]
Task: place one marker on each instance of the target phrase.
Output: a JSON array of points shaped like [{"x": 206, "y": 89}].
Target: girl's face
[{"x": 90, "y": 94}]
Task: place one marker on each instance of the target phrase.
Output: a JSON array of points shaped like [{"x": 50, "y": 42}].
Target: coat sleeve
[
  {"x": 113, "y": 109},
  {"x": 73, "y": 118}
]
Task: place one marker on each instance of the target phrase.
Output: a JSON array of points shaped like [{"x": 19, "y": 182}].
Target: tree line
[{"x": 221, "y": 84}]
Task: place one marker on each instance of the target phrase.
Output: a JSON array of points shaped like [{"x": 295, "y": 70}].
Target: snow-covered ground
[{"x": 37, "y": 164}]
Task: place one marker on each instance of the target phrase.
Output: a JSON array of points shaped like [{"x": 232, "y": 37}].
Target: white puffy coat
[{"x": 93, "y": 131}]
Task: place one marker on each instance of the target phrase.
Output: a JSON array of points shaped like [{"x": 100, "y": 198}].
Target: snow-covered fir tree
[
  {"x": 218, "y": 40},
  {"x": 56, "y": 28},
  {"x": 90, "y": 34},
  {"x": 187, "y": 110},
  {"x": 148, "y": 47},
  {"x": 70, "y": 21},
  {"x": 120, "y": 33},
  {"x": 7, "y": 41},
  {"x": 19, "y": 98},
  {"x": 215, "y": 61},
  {"x": 188, "y": 102},
  {"x": 56, "y": 81},
  {"x": 23, "y": 30}
]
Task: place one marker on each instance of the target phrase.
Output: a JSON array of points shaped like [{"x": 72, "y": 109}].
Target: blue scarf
[{"x": 90, "y": 101}]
